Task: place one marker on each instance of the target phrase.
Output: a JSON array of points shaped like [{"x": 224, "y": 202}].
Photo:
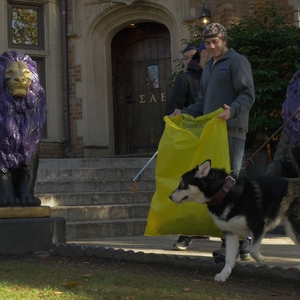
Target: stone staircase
[{"x": 94, "y": 195}]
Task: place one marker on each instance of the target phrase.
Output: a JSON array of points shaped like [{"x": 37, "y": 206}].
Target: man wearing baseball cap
[
  {"x": 226, "y": 82},
  {"x": 185, "y": 92},
  {"x": 187, "y": 53},
  {"x": 186, "y": 86}
]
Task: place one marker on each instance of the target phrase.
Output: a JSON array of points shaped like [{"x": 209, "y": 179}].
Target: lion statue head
[{"x": 22, "y": 109}]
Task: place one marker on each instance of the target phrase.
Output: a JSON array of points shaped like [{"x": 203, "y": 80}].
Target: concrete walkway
[{"x": 281, "y": 254}]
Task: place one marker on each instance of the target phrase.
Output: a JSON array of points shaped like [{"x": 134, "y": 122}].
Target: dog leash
[
  {"x": 244, "y": 165},
  {"x": 232, "y": 177}
]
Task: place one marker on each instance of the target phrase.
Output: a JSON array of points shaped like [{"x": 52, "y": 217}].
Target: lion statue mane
[{"x": 22, "y": 119}]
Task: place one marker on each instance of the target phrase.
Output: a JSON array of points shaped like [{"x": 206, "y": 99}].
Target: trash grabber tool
[{"x": 138, "y": 175}]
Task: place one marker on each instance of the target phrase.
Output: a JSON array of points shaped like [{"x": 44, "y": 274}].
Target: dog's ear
[{"x": 203, "y": 169}]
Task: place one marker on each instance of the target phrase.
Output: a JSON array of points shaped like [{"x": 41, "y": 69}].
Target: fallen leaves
[
  {"x": 134, "y": 188},
  {"x": 85, "y": 275},
  {"x": 58, "y": 293},
  {"x": 71, "y": 284}
]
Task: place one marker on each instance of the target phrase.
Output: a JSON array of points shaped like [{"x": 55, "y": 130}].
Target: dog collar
[{"x": 228, "y": 184}]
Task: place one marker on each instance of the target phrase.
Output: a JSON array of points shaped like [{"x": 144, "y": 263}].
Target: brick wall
[
  {"x": 228, "y": 11},
  {"x": 56, "y": 150},
  {"x": 75, "y": 104},
  {"x": 51, "y": 150}
]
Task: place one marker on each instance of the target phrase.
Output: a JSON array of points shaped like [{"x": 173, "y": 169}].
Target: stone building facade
[{"x": 105, "y": 66}]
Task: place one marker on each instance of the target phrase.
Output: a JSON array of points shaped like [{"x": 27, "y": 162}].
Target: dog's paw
[
  {"x": 221, "y": 277},
  {"x": 258, "y": 257}
]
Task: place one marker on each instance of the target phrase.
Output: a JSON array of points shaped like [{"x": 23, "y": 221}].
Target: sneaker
[
  {"x": 244, "y": 249},
  {"x": 216, "y": 253},
  {"x": 219, "y": 255},
  {"x": 182, "y": 243}
]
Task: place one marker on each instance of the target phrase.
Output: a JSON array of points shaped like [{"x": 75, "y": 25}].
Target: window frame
[{"x": 40, "y": 24}]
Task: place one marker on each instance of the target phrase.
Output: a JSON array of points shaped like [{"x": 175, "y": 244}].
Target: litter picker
[{"x": 138, "y": 176}]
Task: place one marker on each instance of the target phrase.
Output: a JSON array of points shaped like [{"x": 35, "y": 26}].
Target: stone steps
[
  {"x": 82, "y": 186},
  {"x": 84, "y": 173},
  {"x": 95, "y": 196},
  {"x": 78, "y": 230},
  {"x": 102, "y": 212}
]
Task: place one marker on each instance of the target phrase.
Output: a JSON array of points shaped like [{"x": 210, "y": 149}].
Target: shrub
[
  {"x": 269, "y": 38},
  {"x": 270, "y": 41}
]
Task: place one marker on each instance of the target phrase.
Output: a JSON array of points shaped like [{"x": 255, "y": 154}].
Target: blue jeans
[{"x": 236, "y": 152}]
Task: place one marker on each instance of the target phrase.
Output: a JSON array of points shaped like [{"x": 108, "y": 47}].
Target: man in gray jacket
[{"x": 226, "y": 82}]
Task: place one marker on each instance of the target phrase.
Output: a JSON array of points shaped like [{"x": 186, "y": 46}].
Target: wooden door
[{"x": 141, "y": 71}]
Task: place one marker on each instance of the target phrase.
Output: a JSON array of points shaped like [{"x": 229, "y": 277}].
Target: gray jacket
[{"x": 229, "y": 81}]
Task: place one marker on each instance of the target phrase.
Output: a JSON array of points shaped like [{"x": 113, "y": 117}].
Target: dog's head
[{"x": 191, "y": 185}]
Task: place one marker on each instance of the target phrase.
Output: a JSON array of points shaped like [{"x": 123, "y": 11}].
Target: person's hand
[
  {"x": 225, "y": 115},
  {"x": 176, "y": 112}
]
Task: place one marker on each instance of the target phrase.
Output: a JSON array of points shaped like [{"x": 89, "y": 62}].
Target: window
[
  {"x": 40, "y": 61},
  {"x": 25, "y": 27},
  {"x": 152, "y": 78}
]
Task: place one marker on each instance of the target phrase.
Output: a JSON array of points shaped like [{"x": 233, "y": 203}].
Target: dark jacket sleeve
[
  {"x": 195, "y": 109},
  {"x": 178, "y": 95}
]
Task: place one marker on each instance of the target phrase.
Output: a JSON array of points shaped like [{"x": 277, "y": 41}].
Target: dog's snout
[{"x": 177, "y": 199}]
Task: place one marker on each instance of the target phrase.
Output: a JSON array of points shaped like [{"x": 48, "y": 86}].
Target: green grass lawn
[{"x": 28, "y": 277}]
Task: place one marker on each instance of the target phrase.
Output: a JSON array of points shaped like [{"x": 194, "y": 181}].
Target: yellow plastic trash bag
[{"x": 185, "y": 143}]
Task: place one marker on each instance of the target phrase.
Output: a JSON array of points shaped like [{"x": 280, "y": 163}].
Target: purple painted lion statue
[
  {"x": 22, "y": 119},
  {"x": 286, "y": 161}
]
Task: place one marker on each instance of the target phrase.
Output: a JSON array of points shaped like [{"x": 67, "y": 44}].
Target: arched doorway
[{"x": 141, "y": 64}]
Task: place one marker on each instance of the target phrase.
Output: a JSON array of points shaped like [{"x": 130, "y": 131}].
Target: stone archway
[
  {"x": 98, "y": 125},
  {"x": 141, "y": 68}
]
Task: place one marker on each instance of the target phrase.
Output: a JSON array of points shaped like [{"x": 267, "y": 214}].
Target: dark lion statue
[
  {"x": 22, "y": 119},
  {"x": 286, "y": 161}
]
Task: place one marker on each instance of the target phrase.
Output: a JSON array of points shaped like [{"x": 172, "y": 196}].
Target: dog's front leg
[
  {"x": 232, "y": 247},
  {"x": 255, "y": 248}
]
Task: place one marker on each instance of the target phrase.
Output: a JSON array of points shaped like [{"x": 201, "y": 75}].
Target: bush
[{"x": 269, "y": 39}]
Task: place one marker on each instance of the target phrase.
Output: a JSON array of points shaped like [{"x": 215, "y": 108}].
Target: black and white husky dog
[{"x": 249, "y": 206}]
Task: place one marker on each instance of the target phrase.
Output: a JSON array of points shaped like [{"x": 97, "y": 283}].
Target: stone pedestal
[
  {"x": 29, "y": 229},
  {"x": 25, "y": 212}
]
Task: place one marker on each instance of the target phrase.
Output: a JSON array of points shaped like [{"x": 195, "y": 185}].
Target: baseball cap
[
  {"x": 190, "y": 47},
  {"x": 201, "y": 47},
  {"x": 216, "y": 29}
]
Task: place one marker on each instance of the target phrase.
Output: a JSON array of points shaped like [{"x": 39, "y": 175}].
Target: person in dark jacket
[
  {"x": 186, "y": 86},
  {"x": 286, "y": 161},
  {"x": 187, "y": 55},
  {"x": 185, "y": 92},
  {"x": 226, "y": 82}
]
